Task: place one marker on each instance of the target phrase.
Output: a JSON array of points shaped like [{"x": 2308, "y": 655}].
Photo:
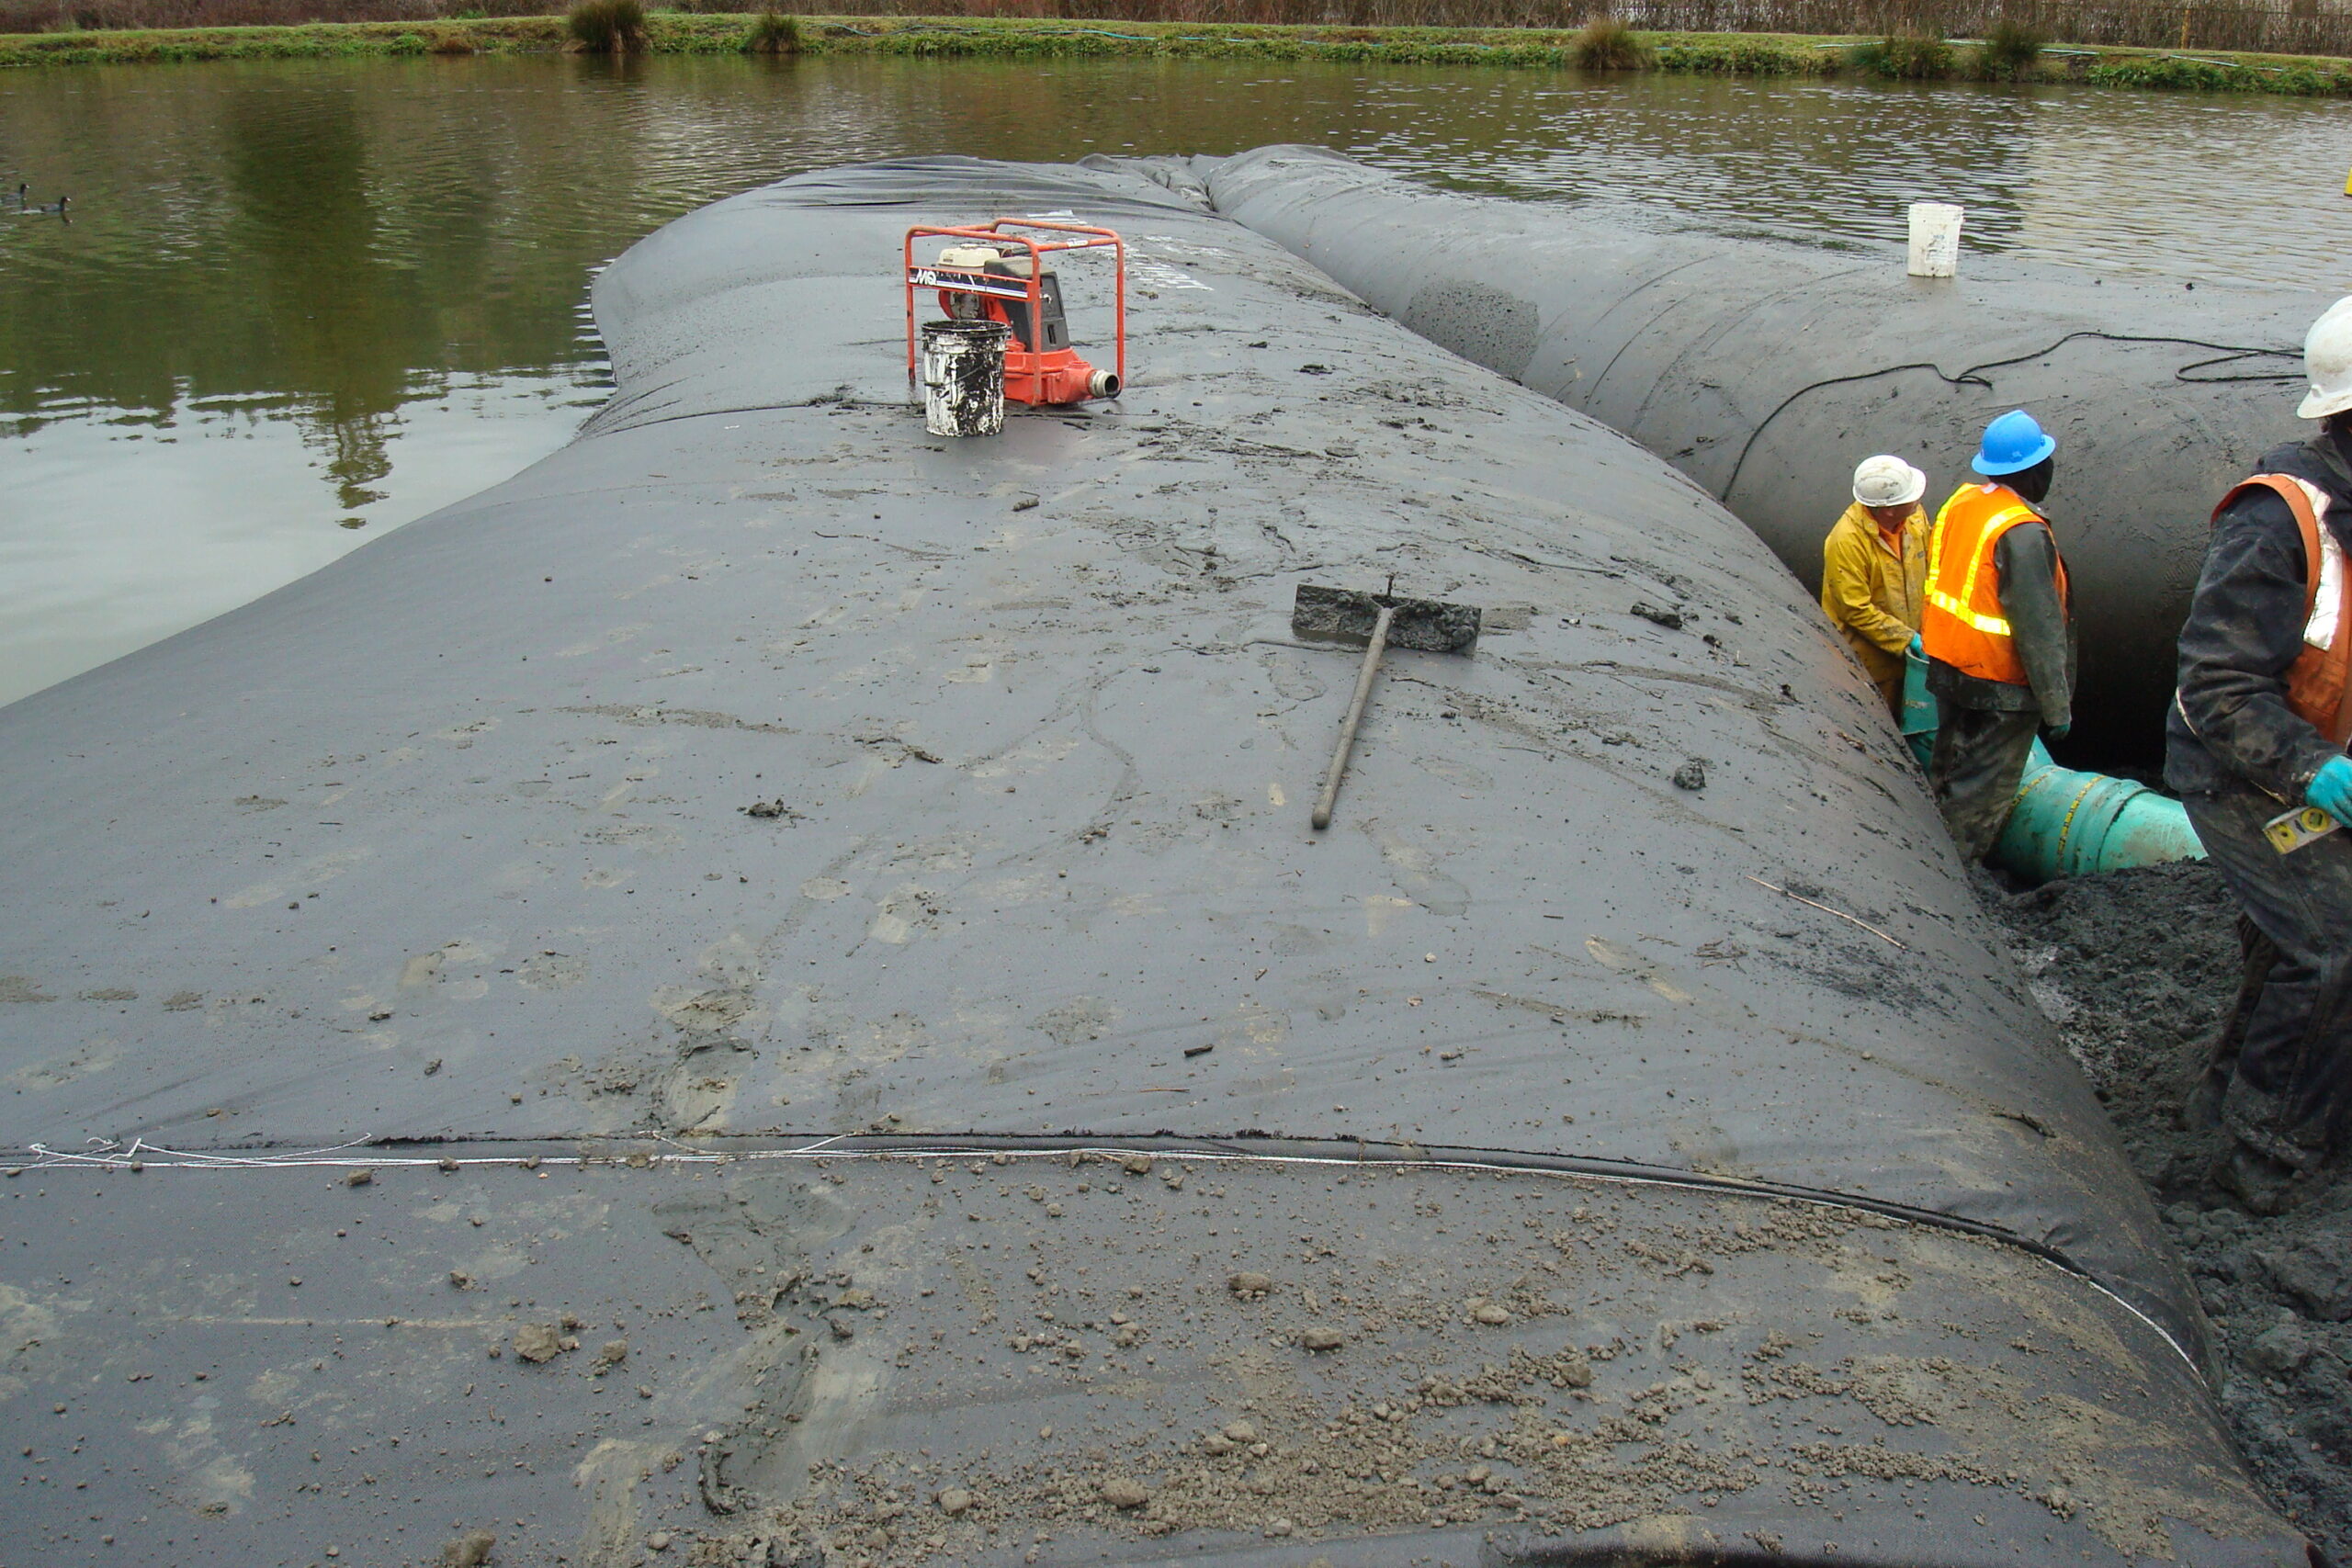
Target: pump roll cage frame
[{"x": 955, "y": 280}]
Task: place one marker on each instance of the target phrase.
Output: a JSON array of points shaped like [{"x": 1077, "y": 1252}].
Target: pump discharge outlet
[{"x": 996, "y": 274}]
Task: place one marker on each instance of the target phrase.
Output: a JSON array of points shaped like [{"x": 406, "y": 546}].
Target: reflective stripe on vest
[
  {"x": 2319, "y": 682},
  {"x": 2327, "y": 594},
  {"x": 1963, "y": 606}
]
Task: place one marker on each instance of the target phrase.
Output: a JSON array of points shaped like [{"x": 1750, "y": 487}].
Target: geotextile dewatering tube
[
  {"x": 2065, "y": 822},
  {"x": 836, "y": 904},
  {"x": 1766, "y": 370}
]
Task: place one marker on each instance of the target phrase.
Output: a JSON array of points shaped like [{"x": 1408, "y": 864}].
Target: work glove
[
  {"x": 1918, "y": 649},
  {"x": 2331, "y": 789},
  {"x": 2058, "y": 731}
]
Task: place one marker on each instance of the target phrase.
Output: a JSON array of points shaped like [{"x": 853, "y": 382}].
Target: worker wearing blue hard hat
[
  {"x": 2012, "y": 444},
  {"x": 1997, "y": 629},
  {"x": 2257, "y": 729}
]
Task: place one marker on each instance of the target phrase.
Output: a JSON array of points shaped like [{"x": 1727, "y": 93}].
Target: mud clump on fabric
[{"x": 2137, "y": 968}]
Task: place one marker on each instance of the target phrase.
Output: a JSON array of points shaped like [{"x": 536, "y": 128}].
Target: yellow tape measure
[{"x": 2290, "y": 830}]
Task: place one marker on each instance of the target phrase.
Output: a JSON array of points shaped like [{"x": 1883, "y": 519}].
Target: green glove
[{"x": 2331, "y": 789}]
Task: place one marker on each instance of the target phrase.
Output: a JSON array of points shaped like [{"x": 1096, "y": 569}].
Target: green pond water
[{"x": 299, "y": 303}]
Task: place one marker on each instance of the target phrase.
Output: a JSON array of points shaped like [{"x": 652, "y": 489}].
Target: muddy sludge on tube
[
  {"x": 1767, "y": 369},
  {"x": 1020, "y": 1138}
]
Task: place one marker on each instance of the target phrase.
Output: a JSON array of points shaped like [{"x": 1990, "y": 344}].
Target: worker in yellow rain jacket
[
  {"x": 1875, "y": 571},
  {"x": 1998, "y": 631}
]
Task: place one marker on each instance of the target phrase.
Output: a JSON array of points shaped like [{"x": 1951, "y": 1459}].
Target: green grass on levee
[{"x": 670, "y": 32}]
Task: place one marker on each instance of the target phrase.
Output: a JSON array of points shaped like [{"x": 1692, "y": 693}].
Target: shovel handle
[{"x": 1372, "y": 652}]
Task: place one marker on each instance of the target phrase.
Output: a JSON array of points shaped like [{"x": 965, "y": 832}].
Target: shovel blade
[{"x": 1340, "y": 614}]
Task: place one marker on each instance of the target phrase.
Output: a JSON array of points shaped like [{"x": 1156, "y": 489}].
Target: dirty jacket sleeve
[
  {"x": 1846, "y": 584},
  {"x": 2244, "y": 627},
  {"x": 2027, "y": 559}
]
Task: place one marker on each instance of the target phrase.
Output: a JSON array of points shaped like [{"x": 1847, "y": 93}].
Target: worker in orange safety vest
[
  {"x": 1996, "y": 627},
  {"x": 2257, "y": 728}
]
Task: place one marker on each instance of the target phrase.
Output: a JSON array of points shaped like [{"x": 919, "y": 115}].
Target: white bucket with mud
[
  {"x": 963, "y": 376},
  {"x": 1935, "y": 239}
]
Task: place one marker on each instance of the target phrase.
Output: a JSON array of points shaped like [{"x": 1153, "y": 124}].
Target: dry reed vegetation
[
  {"x": 69, "y": 15},
  {"x": 2281, "y": 27},
  {"x": 2012, "y": 49},
  {"x": 2278, "y": 27}
]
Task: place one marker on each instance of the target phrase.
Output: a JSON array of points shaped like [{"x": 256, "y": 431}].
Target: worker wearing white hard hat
[
  {"x": 2257, "y": 730},
  {"x": 1873, "y": 564}
]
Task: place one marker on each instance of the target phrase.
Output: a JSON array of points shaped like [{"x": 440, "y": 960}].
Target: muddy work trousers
[
  {"x": 1980, "y": 757},
  {"x": 2286, "y": 1059}
]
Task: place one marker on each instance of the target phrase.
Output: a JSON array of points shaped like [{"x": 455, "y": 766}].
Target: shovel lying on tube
[{"x": 1379, "y": 621}]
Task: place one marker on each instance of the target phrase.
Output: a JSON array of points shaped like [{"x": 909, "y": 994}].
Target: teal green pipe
[{"x": 2066, "y": 823}]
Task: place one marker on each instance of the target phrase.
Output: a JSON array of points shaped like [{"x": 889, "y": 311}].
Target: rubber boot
[
  {"x": 2260, "y": 1184},
  {"x": 2201, "y": 1113}
]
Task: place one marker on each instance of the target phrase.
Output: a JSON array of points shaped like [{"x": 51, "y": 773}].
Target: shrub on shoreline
[
  {"x": 608, "y": 27},
  {"x": 774, "y": 33},
  {"x": 2011, "y": 50},
  {"x": 1608, "y": 44},
  {"x": 1905, "y": 57}
]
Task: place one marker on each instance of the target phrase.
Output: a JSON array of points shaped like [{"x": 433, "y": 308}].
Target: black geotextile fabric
[
  {"x": 622, "y": 1354},
  {"x": 1766, "y": 370},
  {"x": 759, "y": 765}
]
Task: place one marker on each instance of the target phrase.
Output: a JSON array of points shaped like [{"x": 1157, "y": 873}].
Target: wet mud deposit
[
  {"x": 1105, "y": 1356},
  {"x": 2137, "y": 968},
  {"x": 451, "y": 973}
]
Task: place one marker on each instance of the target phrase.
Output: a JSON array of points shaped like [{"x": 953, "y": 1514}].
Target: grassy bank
[{"x": 670, "y": 32}]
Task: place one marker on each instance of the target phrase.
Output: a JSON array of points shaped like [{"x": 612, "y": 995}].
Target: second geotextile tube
[{"x": 1766, "y": 370}]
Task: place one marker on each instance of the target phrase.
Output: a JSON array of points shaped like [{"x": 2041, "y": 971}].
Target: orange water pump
[{"x": 993, "y": 274}]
